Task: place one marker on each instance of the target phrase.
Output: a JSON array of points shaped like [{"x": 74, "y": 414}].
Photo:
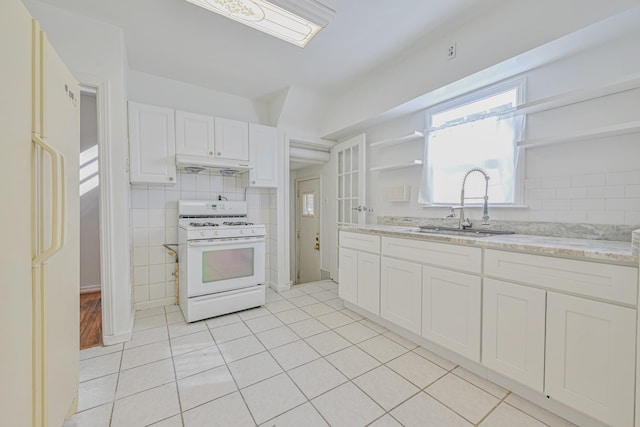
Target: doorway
[
  {"x": 308, "y": 233},
  {"x": 90, "y": 265}
]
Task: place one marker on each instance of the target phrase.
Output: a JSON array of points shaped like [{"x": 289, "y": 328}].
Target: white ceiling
[{"x": 178, "y": 40}]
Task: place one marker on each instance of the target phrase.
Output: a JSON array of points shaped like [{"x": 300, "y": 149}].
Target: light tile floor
[{"x": 302, "y": 360}]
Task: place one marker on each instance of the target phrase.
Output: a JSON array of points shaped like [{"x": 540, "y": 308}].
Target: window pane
[
  {"x": 347, "y": 160},
  {"x": 340, "y": 211},
  {"x": 354, "y": 184},
  {"x": 355, "y": 158},
  {"x": 307, "y": 204},
  {"x": 340, "y": 161},
  {"x": 478, "y": 134},
  {"x": 347, "y": 185},
  {"x": 347, "y": 211},
  {"x": 340, "y": 186}
]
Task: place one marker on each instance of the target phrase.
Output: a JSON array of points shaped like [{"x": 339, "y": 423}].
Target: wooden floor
[{"x": 90, "y": 320}]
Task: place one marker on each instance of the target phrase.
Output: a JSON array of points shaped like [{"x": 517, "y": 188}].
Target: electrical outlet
[{"x": 451, "y": 51}]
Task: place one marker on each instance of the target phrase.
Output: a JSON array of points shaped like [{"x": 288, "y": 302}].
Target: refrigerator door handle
[{"x": 57, "y": 164}]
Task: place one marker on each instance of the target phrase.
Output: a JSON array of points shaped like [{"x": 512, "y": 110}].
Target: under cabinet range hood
[{"x": 197, "y": 164}]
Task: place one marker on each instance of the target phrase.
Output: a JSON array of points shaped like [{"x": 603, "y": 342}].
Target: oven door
[{"x": 219, "y": 265}]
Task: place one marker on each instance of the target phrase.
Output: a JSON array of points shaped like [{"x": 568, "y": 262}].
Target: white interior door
[
  {"x": 308, "y": 213},
  {"x": 351, "y": 168}
]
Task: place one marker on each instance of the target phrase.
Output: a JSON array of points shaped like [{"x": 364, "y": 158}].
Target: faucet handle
[
  {"x": 466, "y": 223},
  {"x": 485, "y": 220},
  {"x": 452, "y": 214}
]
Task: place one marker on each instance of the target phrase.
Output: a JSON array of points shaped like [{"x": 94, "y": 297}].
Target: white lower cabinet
[
  {"x": 348, "y": 275},
  {"x": 513, "y": 331},
  {"x": 451, "y": 310},
  {"x": 590, "y": 357},
  {"x": 369, "y": 282},
  {"x": 400, "y": 293}
]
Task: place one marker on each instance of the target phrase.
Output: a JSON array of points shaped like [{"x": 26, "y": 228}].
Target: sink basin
[{"x": 475, "y": 232}]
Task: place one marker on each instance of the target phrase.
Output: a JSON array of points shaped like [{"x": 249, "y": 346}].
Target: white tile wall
[
  {"x": 154, "y": 218},
  {"x": 605, "y": 198}
]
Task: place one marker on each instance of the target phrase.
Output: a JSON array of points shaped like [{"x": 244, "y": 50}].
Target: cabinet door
[
  {"x": 151, "y": 144},
  {"x": 451, "y": 310},
  {"x": 194, "y": 134},
  {"x": 369, "y": 282},
  {"x": 231, "y": 139},
  {"x": 513, "y": 320},
  {"x": 348, "y": 275},
  {"x": 590, "y": 357},
  {"x": 400, "y": 293},
  {"x": 263, "y": 155}
]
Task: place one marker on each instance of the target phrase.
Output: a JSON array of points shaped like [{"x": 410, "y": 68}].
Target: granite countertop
[{"x": 597, "y": 250}]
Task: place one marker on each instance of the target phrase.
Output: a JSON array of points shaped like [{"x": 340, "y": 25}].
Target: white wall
[
  {"x": 89, "y": 202},
  {"x": 155, "y": 90},
  {"x": 498, "y": 35},
  {"x": 593, "y": 180},
  {"x": 154, "y": 211},
  {"x": 92, "y": 49}
]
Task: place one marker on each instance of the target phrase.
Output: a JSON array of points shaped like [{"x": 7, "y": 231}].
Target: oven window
[{"x": 227, "y": 264}]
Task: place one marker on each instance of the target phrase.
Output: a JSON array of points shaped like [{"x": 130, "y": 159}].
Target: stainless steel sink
[{"x": 475, "y": 232}]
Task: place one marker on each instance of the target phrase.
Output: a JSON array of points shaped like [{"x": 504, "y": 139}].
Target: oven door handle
[{"x": 219, "y": 242}]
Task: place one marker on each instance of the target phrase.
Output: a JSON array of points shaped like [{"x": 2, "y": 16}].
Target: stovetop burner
[
  {"x": 203, "y": 224},
  {"x": 237, "y": 223}
]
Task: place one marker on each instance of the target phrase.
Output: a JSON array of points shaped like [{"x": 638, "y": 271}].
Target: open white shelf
[
  {"x": 399, "y": 140},
  {"x": 397, "y": 166},
  {"x": 583, "y": 94},
  {"x": 601, "y": 132}
]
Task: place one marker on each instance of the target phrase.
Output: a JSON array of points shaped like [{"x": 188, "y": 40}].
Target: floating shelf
[
  {"x": 612, "y": 130},
  {"x": 400, "y": 140},
  {"x": 583, "y": 94},
  {"x": 397, "y": 166}
]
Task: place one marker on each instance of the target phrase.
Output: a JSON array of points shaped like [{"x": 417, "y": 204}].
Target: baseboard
[
  {"x": 280, "y": 287},
  {"x": 90, "y": 288},
  {"x": 117, "y": 338},
  {"x": 123, "y": 336},
  {"x": 155, "y": 303}
]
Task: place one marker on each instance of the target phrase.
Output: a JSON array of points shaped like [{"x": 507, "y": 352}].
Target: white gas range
[{"x": 222, "y": 259}]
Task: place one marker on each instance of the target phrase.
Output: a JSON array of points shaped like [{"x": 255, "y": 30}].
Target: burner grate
[
  {"x": 237, "y": 223},
  {"x": 203, "y": 224}
]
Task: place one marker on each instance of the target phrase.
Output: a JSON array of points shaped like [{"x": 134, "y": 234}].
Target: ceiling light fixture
[{"x": 294, "y": 21}]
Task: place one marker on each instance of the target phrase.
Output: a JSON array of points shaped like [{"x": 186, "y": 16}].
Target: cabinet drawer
[
  {"x": 438, "y": 254},
  {"x": 360, "y": 241},
  {"x": 610, "y": 282}
]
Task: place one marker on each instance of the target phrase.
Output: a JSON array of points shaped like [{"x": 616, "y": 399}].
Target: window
[
  {"x": 476, "y": 130},
  {"x": 307, "y": 204}
]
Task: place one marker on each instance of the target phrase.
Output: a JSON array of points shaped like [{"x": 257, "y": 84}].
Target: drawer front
[
  {"x": 360, "y": 241},
  {"x": 438, "y": 254},
  {"x": 610, "y": 282}
]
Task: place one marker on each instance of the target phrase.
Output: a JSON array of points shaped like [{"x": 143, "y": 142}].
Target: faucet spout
[{"x": 464, "y": 222}]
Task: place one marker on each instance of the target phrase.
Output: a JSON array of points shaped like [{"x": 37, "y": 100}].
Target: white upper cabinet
[
  {"x": 231, "y": 139},
  {"x": 263, "y": 155},
  {"x": 151, "y": 144},
  {"x": 194, "y": 134}
]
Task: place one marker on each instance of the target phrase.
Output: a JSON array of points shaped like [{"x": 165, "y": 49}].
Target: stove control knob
[
  {"x": 203, "y": 234},
  {"x": 216, "y": 232},
  {"x": 253, "y": 230},
  {"x": 241, "y": 231}
]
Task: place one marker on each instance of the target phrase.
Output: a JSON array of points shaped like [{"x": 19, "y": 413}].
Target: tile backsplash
[{"x": 154, "y": 220}]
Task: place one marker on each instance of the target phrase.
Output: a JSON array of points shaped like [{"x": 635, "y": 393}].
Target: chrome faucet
[{"x": 462, "y": 221}]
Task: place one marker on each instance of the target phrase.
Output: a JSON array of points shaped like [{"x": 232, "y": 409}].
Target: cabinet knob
[
  {"x": 253, "y": 182},
  {"x": 211, "y": 153},
  {"x": 219, "y": 153},
  {"x": 170, "y": 178}
]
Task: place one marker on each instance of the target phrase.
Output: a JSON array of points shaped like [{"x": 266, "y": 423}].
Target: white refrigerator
[{"x": 39, "y": 217}]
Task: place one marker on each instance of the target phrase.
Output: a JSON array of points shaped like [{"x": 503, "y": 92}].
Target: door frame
[
  {"x": 107, "y": 286},
  {"x": 297, "y": 223}
]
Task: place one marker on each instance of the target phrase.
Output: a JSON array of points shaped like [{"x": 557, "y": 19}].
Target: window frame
[{"x": 518, "y": 83}]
